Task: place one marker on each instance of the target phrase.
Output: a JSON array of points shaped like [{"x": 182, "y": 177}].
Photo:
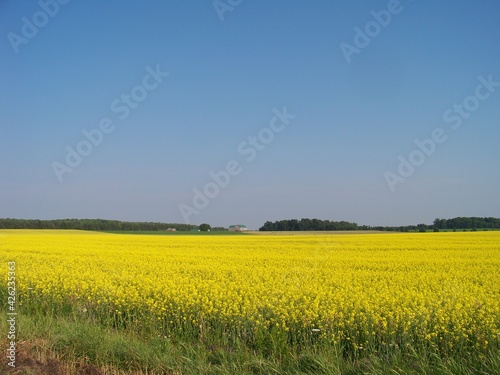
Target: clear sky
[{"x": 176, "y": 88}]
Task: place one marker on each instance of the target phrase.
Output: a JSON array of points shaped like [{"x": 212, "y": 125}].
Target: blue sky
[{"x": 354, "y": 115}]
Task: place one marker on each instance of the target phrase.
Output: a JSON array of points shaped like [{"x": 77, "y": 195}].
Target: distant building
[
  {"x": 238, "y": 228},
  {"x": 171, "y": 230}
]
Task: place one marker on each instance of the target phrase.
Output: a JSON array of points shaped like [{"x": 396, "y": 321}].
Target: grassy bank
[{"x": 74, "y": 345}]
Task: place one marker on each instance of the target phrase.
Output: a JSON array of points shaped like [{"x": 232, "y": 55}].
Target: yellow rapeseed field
[{"x": 440, "y": 290}]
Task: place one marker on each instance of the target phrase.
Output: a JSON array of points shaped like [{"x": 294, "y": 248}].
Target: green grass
[{"x": 74, "y": 340}]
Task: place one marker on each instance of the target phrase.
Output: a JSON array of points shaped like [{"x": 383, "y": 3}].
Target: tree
[
  {"x": 422, "y": 227},
  {"x": 440, "y": 223},
  {"x": 205, "y": 227}
]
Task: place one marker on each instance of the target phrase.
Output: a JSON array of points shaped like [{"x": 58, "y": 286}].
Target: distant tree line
[
  {"x": 467, "y": 222},
  {"x": 473, "y": 223},
  {"x": 95, "y": 224},
  {"x": 457, "y": 223},
  {"x": 307, "y": 224}
]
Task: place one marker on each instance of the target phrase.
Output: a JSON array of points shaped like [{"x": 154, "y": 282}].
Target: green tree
[
  {"x": 205, "y": 227},
  {"x": 422, "y": 227}
]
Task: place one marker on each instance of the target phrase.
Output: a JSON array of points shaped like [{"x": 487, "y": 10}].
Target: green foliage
[
  {"x": 91, "y": 224},
  {"x": 318, "y": 225},
  {"x": 78, "y": 340},
  {"x": 467, "y": 223},
  {"x": 282, "y": 225},
  {"x": 205, "y": 227},
  {"x": 308, "y": 225},
  {"x": 422, "y": 227}
]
